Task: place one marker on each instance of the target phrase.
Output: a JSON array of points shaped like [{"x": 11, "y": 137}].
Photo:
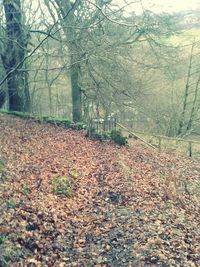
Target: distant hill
[{"x": 188, "y": 19}]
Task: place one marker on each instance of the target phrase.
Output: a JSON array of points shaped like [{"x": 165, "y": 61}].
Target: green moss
[
  {"x": 52, "y": 120},
  {"x": 24, "y": 115}
]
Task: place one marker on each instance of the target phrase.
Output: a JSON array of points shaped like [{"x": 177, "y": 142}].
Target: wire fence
[
  {"x": 98, "y": 126},
  {"x": 187, "y": 147}
]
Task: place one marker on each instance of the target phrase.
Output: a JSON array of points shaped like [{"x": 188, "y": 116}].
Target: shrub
[
  {"x": 106, "y": 135},
  {"x": 114, "y": 135},
  {"x": 118, "y": 138},
  {"x": 80, "y": 126}
]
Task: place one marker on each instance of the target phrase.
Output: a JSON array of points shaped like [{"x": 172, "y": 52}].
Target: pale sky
[
  {"x": 162, "y": 5},
  {"x": 172, "y": 5}
]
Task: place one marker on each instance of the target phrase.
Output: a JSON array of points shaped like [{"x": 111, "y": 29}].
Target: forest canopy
[{"x": 86, "y": 59}]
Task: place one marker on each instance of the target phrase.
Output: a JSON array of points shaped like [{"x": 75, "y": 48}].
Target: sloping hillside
[{"x": 66, "y": 200}]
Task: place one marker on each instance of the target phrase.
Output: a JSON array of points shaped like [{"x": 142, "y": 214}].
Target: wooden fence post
[
  {"x": 90, "y": 128},
  {"x": 115, "y": 124},
  {"x": 190, "y": 149},
  {"x": 104, "y": 124},
  {"x": 159, "y": 143}
]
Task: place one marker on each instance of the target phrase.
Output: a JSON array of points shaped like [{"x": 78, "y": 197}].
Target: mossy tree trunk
[
  {"x": 3, "y": 87},
  {"x": 66, "y": 12},
  {"x": 16, "y": 45}
]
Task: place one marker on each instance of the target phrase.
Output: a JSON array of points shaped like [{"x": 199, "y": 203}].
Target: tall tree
[
  {"x": 84, "y": 24},
  {"x": 14, "y": 52},
  {"x": 191, "y": 97},
  {"x": 3, "y": 87},
  {"x": 66, "y": 12}
]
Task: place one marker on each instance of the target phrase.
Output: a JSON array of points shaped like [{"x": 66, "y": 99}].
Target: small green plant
[
  {"x": 2, "y": 169},
  {"x": 26, "y": 190},
  {"x": 63, "y": 185},
  {"x": 80, "y": 126},
  {"x": 3, "y": 239},
  {"x": 7, "y": 251},
  {"x": 10, "y": 205},
  {"x": 106, "y": 135},
  {"x": 67, "y": 123},
  {"x": 74, "y": 174},
  {"x": 118, "y": 138},
  {"x": 2, "y": 163}
]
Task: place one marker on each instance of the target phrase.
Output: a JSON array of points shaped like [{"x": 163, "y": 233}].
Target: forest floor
[{"x": 123, "y": 206}]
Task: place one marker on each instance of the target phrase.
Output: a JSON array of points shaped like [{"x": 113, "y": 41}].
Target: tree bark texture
[{"x": 17, "y": 83}]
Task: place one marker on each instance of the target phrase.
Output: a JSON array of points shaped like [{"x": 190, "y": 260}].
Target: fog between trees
[{"x": 85, "y": 59}]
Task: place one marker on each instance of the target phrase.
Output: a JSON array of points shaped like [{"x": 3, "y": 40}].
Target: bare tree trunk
[
  {"x": 2, "y": 88},
  {"x": 76, "y": 94},
  {"x": 194, "y": 107},
  {"x": 182, "y": 118},
  {"x": 66, "y": 13},
  {"x": 49, "y": 87},
  {"x": 27, "y": 100}
]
